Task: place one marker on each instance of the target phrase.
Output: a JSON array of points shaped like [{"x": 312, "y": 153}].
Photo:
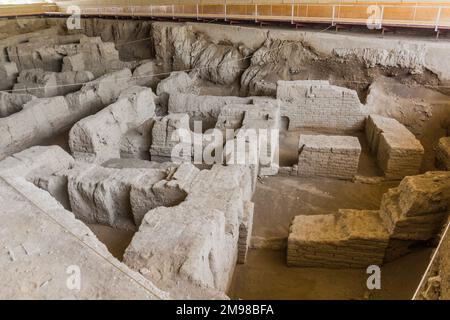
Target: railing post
[
  {"x": 151, "y": 11},
  {"x": 332, "y": 19},
  {"x": 173, "y": 12},
  {"x": 380, "y": 25},
  {"x": 438, "y": 18},
  {"x": 292, "y": 12},
  {"x": 197, "y": 11},
  {"x": 256, "y": 12},
  {"x": 225, "y": 9}
]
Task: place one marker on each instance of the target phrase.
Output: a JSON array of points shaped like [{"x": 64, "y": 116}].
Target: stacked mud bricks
[
  {"x": 417, "y": 208},
  {"x": 443, "y": 154},
  {"x": 245, "y": 232},
  {"x": 348, "y": 239},
  {"x": 328, "y": 156},
  {"x": 317, "y": 104},
  {"x": 397, "y": 150},
  {"x": 414, "y": 211}
]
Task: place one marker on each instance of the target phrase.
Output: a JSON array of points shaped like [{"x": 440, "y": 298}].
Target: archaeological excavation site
[{"x": 224, "y": 150}]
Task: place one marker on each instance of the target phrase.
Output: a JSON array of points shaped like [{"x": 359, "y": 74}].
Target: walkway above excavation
[{"x": 434, "y": 15}]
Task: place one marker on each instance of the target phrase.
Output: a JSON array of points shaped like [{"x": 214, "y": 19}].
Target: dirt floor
[
  {"x": 266, "y": 276},
  {"x": 278, "y": 199},
  {"x": 115, "y": 240}
]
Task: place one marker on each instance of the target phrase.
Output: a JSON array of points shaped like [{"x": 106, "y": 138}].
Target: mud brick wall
[
  {"x": 418, "y": 207},
  {"x": 317, "y": 104},
  {"x": 443, "y": 153},
  {"x": 347, "y": 239},
  {"x": 245, "y": 232},
  {"x": 398, "y": 152},
  {"x": 328, "y": 156},
  {"x": 414, "y": 211}
]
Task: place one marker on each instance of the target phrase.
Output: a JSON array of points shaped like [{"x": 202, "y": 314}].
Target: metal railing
[
  {"x": 23, "y": 9},
  {"x": 431, "y": 16}
]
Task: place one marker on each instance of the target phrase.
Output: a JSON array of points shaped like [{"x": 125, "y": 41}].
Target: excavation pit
[{"x": 98, "y": 134}]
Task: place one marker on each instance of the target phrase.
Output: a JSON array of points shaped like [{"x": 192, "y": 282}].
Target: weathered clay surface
[
  {"x": 42, "y": 118},
  {"x": 348, "y": 239},
  {"x": 43, "y": 53},
  {"x": 168, "y": 133},
  {"x": 414, "y": 211},
  {"x": 417, "y": 209},
  {"x": 317, "y": 104},
  {"x": 194, "y": 225},
  {"x": 398, "y": 152},
  {"x": 330, "y": 156},
  {"x": 177, "y": 82},
  {"x": 251, "y": 134},
  {"x": 202, "y": 108},
  {"x": 166, "y": 193},
  {"x": 102, "y": 195},
  {"x": 172, "y": 43},
  {"x": 443, "y": 153},
  {"x": 137, "y": 163},
  {"x": 218, "y": 63},
  {"x": 23, "y": 37},
  {"x": 95, "y": 56},
  {"x": 136, "y": 142},
  {"x": 98, "y": 138},
  {"x": 245, "y": 232},
  {"x": 180, "y": 48},
  {"x": 99, "y": 93},
  {"x": 35, "y": 161},
  {"x": 44, "y": 84},
  {"x": 271, "y": 62},
  {"x": 11, "y": 103},
  {"x": 148, "y": 74},
  {"x": 371, "y": 57},
  {"x": 68, "y": 53},
  {"x": 44, "y": 166},
  {"x": 42, "y": 244},
  {"x": 194, "y": 245},
  {"x": 8, "y": 75},
  {"x": 130, "y": 36}
]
